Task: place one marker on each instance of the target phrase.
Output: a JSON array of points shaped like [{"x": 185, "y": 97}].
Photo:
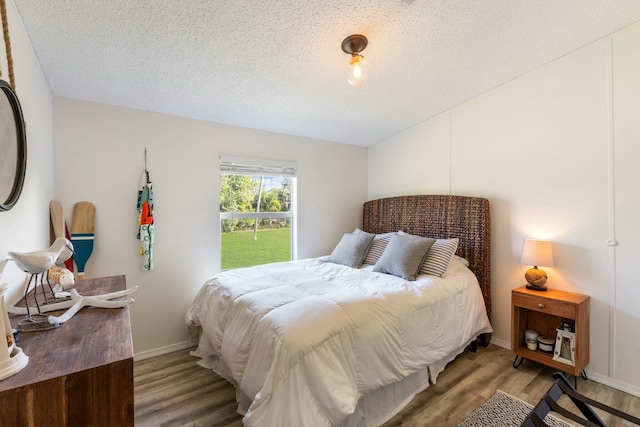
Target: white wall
[
  {"x": 99, "y": 157},
  {"x": 541, "y": 149},
  {"x": 26, "y": 227}
]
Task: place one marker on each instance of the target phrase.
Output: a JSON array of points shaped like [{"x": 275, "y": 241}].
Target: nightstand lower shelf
[{"x": 544, "y": 359}]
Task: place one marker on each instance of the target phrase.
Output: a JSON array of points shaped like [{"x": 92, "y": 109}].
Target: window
[{"x": 257, "y": 212}]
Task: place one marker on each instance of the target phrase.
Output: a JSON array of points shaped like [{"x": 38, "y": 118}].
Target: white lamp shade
[{"x": 537, "y": 253}]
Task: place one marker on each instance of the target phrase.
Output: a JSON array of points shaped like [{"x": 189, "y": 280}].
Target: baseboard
[
  {"x": 613, "y": 383},
  {"x": 602, "y": 379},
  {"x": 163, "y": 350},
  {"x": 500, "y": 343}
]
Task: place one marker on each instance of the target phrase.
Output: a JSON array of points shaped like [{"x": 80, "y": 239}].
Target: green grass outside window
[{"x": 240, "y": 250}]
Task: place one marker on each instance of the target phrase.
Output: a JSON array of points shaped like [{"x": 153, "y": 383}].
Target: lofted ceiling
[{"x": 277, "y": 65}]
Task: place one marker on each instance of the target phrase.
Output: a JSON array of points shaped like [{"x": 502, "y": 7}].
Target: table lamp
[{"x": 536, "y": 253}]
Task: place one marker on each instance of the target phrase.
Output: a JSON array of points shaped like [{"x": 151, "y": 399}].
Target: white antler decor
[{"x": 77, "y": 302}]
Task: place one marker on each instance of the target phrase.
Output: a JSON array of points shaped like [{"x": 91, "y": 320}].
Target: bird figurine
[
  {"x": 41, "y": 261},
  {"x": 37, "y": 262}
]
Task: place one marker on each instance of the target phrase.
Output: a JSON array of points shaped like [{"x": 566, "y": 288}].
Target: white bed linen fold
[{"x": 302, "y": 341}]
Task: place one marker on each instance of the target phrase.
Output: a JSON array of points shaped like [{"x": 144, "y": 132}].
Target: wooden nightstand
[{"x": 543, "y": 312}]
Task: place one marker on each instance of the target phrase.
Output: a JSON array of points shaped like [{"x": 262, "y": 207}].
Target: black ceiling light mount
[{"x": 354, "y": 45}]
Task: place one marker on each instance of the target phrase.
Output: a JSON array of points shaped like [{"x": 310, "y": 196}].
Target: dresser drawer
[{"x": 544, "y": 305}]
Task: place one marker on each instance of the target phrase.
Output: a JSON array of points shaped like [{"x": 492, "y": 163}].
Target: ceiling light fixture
[{"x": 353, "y": 45}]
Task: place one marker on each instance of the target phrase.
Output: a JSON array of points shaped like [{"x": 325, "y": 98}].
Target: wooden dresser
[{"x": 80, "y": 374}]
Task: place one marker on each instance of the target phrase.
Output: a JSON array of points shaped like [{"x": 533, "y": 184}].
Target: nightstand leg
[
  {"x": 517, "y": 365},
  {"x": 583, "y": 374}
]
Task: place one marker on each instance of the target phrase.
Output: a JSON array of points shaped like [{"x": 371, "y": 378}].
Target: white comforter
[{"x": 302, "y": 341}]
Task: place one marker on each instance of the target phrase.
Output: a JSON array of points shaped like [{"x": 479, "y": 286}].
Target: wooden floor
[{"x": 171, "y": 390}]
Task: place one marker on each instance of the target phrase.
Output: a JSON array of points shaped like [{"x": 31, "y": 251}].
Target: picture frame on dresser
[{"x": 565, "y": 347}]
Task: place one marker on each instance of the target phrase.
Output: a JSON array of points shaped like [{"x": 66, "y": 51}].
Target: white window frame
[{"x": 232, "y": 165}]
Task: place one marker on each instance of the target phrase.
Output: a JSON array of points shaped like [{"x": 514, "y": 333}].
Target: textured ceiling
[{"x": 278, "y": 65}]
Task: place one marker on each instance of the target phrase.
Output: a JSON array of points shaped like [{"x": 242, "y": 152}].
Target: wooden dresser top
[{"x": 93, "y": 337}]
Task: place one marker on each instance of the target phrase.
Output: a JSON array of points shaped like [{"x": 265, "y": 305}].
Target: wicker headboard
[{"x": 440, "y": 217}]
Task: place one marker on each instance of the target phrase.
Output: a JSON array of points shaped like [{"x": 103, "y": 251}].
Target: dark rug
[{"x": 502, "y": 410}]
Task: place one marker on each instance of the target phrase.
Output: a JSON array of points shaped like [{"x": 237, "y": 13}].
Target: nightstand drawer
[{"x": 545, "y": 305}]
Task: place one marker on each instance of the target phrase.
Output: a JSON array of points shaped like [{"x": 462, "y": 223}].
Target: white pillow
[
  {"x": 462, "y": 260},
  {"x": 457, "y": 263}
]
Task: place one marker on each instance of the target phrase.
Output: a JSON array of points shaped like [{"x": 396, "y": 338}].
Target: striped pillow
[
  {"x": 439, "y": 257},
  {"x": 377, "y": 248}
]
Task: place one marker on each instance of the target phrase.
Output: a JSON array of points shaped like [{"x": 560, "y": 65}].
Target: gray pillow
[
  {"x": 403, "y": 255},
  {"x": 351, "y": 249}
]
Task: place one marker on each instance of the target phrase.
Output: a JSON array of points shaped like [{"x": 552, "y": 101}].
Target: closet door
[{"x": 626, "y": 149}]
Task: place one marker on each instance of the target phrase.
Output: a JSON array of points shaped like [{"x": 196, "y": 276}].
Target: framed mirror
[{"x": 13, "y": 146}]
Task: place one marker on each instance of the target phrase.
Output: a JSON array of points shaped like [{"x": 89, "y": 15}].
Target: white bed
[{"x": 314, "y": 343}]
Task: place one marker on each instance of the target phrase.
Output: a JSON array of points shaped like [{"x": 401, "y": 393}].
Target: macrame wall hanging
[
  {"x": 145, "y": 217},
  {"x": 7, "y": 44}
]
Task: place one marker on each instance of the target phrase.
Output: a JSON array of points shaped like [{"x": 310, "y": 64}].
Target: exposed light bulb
[{"x": 357, "y": 68}]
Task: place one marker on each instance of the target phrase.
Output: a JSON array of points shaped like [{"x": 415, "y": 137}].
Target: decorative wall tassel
[{"x": 145, "y": 217}]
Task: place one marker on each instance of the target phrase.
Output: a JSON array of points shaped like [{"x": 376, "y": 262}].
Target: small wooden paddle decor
[
  {"x": 82, "y": 234},
  {"x": 59, "y": 227},
  {"x": 57, "y": 219}
]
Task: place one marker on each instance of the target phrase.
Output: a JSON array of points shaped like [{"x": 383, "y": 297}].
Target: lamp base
[{"x": 540, "y": 288}]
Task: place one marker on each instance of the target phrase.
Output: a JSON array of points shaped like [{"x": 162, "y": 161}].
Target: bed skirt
[
  {"x": 373, "y": 409},
  {"x": 379, "y": 406}
]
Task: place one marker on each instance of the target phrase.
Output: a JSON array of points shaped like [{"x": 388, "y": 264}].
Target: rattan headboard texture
[{"x": 440, "y": 217}]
